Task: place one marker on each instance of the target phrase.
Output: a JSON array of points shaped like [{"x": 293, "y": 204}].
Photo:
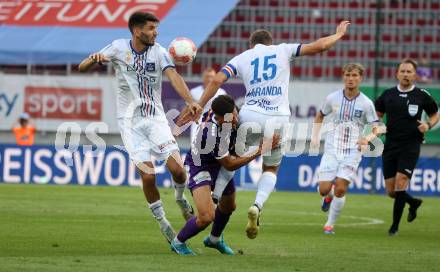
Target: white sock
[
  {"x": 214, "y": 239},
  {"x": 159, "y": 213},
  {"x": 223, "y": 178},
  {"x": 335, "y": 209},
  {"x": 179, "y": 188},
  {"x": 177, "y": 240},
  {"x": 266, "y": 184}
]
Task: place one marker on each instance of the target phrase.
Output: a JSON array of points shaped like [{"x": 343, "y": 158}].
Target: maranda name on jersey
[{"x": 265, "y": 91}]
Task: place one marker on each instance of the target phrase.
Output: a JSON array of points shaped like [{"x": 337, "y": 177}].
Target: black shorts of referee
[{"x": 400, "y": 157}]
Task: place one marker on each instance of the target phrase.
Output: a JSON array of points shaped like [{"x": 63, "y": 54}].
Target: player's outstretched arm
[
  {"x": 212, "y": 88},
  {"x": 324, "y": 43},
  {"x": 182, "y": 89},
  {"x": 232, "y": 163},
  {"x": 209, "y": 92},
  {"x": 93, "y": 59}
]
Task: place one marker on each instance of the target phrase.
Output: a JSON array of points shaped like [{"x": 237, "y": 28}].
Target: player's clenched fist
[{"x": 98, "y": 58}]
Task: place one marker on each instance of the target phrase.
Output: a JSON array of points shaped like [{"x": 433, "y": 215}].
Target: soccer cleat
[
  {"x": 186, "y": 208},
  {"x": 220, "y": 246},
  {"x": 326, "y": 203},
  {"x": 168, "y": 232},
  {"x": 181, "y": 248},
  {"x": 392, "y": 232},
  {"x": 412, "y": 214},
  {"x": 329, "y": 230},
  {"x": 253, "y": 222}
]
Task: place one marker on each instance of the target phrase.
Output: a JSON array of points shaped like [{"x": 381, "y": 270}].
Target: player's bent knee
[
  {"x": 391, "y": 194},
  {"x": 205, "y": 218},
  {"x": 340, "y": 192},
  {"x": 179, "y": 175},
  {"x": 148, "y": 179},
  {"x": 228, "y": 208},
  {"x": 325, "y": 188}
]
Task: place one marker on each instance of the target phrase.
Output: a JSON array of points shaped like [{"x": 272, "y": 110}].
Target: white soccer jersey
[
  {"x": 265, "y": 71},
  {"x": 348, "y": 117},
  {"x": 196, "y": 94},
  {"x": 139, "y": 76}
]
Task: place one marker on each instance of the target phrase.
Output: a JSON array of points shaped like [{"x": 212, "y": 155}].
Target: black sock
[
  {"x": 399, "y": 205},
  {"x": 409, "y": 199}
]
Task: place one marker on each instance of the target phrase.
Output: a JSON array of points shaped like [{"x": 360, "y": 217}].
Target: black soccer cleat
[
  {"x": 412, "y": 214},
  {"x": 392, "y": 232}
]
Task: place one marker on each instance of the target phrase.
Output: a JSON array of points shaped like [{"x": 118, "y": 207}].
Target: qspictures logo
[{"x": 63, "y": 103}]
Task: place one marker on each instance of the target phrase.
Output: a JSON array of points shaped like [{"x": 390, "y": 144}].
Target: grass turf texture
[{"x": 73, "y": 228}]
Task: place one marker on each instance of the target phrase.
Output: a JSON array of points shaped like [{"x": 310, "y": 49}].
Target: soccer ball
[{"x": 182, "y": 50}]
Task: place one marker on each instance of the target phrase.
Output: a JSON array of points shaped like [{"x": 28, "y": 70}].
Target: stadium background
[{"x": 42, "y": 43}]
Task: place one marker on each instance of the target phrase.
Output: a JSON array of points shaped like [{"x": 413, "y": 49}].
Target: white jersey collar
[{"x": 405, "y": 91}]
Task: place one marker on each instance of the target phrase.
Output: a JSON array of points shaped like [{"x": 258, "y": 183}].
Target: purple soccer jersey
[{"x": 209, "y": 146}]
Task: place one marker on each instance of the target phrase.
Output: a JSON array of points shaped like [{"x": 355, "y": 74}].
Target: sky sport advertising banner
[{"x": 88, "y": 166}]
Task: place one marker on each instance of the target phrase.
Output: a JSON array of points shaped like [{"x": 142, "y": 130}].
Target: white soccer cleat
[
  {"x": 329, "y": 230},
  {"x": 253, "y": 222},
  {"x": 186, "y": 208}
]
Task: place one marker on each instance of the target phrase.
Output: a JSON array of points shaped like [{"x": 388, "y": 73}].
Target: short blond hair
[{"x": 353, "y": 66}]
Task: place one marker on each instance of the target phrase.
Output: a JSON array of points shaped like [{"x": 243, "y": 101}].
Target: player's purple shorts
[{"x": 202, "y": 176}]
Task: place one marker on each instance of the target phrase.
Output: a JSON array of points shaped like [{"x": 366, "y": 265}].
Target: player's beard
[{"x": 147, "y": 40}]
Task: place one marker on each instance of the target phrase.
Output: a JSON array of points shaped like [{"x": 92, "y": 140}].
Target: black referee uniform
[{"x": 403, "y": 139}]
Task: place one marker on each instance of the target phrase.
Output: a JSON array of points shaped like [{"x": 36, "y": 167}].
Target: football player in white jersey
[
  {"x": 196, "y": 93},
  {"x": 348, "y": 111},
  {"x": 139, "y": 63},
  {"x": 265, "y": 70}
]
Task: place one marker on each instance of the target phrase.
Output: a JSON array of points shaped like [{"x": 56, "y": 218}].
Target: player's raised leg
[
  {"x": 222, "y": 214},
  {"x": 266, "y": 185},
  {"x": 338, "y": 203},
  {"x": 205, "y": 215},
  {"x": 179, "y": 176},
  {"x": 151, "y": 193},
  {"x": 326, "y": 191}
]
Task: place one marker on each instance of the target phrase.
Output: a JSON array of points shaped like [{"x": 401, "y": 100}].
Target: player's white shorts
[
  {"x": 146, "y": 139},
  {"x": 344, "y": 167},
  {"x": 268, "y": 123}
]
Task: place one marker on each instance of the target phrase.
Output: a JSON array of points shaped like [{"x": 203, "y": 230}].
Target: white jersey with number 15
[{"x": 265, "y": 70}]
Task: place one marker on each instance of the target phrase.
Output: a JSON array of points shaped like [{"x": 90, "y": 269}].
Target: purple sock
[
  {"x": 189, "y": 230},
  {"x": 220, "y": 221}
]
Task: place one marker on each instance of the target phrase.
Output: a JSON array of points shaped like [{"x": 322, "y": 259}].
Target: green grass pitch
[{"x": 73, "y": 228}]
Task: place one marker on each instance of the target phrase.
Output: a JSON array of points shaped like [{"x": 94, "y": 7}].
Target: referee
[{"x": 403, "y": 106}]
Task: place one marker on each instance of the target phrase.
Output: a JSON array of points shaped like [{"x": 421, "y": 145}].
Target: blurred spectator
[
  {"x": 424, "y": 72},
  {"x": 24, "y": 131},
  {"x": 196, "y": 93}
]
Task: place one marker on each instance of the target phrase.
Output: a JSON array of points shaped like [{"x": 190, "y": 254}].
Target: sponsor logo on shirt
[
  {"x": 150, "y": 67},
  {"x": 262, "y": 103},
  {"x": 358, "y": 113}
]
